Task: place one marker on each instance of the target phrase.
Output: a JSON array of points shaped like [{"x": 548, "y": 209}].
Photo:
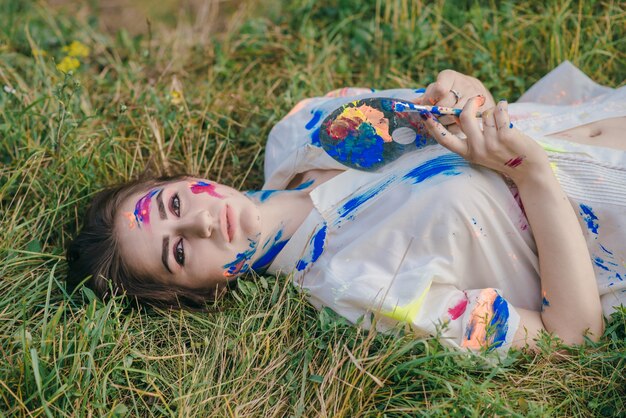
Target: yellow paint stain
[
  {"x": 554, "y": 167},
  {"x": 551, "y": 148},
  {"x": 408, "y": 312},
  {"x": 365, "y": 113}
]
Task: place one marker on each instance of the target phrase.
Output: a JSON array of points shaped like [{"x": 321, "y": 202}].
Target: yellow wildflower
[
  {"x": 76, "y": 49},
  {"x": 176, "y": 92},
  {"x": 68, "y": 64},
  {"x": 176, "y": 97},
  {"x": 39, "y": 52}
]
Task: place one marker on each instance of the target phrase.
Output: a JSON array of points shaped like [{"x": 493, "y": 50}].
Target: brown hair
[{"x": 94, "y": 257}]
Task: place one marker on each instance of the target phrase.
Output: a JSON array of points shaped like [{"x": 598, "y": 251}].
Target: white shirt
[{"x": 435, "y": 242}]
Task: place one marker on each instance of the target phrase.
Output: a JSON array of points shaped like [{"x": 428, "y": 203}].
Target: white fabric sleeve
[{"x": 475, "y": 319}]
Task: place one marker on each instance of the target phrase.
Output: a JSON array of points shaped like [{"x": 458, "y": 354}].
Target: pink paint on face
[
  {"x": 458, "y": 310},
  {"x": 514, "y": 162},
  {"x": 204, "y": 187},
  {"x": 142, "y": 208}
]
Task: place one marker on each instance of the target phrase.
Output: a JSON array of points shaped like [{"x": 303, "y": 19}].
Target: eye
[
  {"x": 179, "y": 253},
  {"x": 175, "y": 205}
]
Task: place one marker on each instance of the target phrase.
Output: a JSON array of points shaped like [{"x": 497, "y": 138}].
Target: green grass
[{"x": 266, "y": 352}]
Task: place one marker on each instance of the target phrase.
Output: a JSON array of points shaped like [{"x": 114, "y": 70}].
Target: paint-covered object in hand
[{"x": 360, "y": 134}]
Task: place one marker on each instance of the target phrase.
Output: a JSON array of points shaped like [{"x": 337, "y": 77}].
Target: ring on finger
[{"x": 457, "y": 95}]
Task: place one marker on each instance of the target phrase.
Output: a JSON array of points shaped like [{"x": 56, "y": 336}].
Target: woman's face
[{"x": 192, "y": 232}]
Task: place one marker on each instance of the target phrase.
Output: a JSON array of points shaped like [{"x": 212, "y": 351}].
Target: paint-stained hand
[
  {"x": 441, "y": 93},
  {"x": 496, "y": 145}
]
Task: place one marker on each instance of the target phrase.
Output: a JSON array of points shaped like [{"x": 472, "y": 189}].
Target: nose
[{"x": 200, "y": 224}]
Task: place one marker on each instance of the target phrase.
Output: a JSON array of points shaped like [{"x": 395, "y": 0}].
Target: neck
[{"x": 282, "y": 212}]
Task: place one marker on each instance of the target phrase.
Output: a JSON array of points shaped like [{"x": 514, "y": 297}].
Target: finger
[
  {"x": 469, "y": 122},
  {"x": 455, "y": 130},
  {"x": 489, "y": 123},
  {"x": 447, "y": 120},
  {"x": 443, "y": 136},
  {"x": 436, "y": 92},
  {"x": 501, "y": 115}
]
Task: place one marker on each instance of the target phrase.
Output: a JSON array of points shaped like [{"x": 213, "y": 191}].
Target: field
[{"x": 85, "y": 103}]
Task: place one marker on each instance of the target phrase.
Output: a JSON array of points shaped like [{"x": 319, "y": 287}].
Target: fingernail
[
  {"x": 502, "y": 100},
  {"x": 425, "y": 114},
  {"x": 481, "y": 100}
]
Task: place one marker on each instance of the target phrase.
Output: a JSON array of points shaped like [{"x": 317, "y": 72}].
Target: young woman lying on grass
[{"x": 486, "y": 240}]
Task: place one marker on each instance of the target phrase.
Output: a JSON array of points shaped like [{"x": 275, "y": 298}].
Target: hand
[
  {"x": 497, "y": 145},
  {"x": 441, "y": 93}
]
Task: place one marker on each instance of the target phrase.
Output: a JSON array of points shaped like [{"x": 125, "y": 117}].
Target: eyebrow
[
  {"x": 166, "y": 246},
  {"x": 159, "y": 199}
]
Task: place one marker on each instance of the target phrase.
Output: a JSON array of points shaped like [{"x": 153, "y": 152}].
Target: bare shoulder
[{"x": 314, "y": 177}]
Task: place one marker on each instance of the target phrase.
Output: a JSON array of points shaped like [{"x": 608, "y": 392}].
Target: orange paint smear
[
  {"x": 479, "y": 320},
  {"x": 131, "y": 220}
]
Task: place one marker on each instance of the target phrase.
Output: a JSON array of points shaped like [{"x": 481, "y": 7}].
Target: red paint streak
[
  {"x": 514, "y": 162},
  {"x": 457, "y": 310},
  {"x": 341, "y": 128},
  {"x": 411, "y": 118},
  {"x": 204, "y": 187}
]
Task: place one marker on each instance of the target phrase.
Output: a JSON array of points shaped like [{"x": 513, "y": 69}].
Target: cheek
[{"x": 250, "y": 221}]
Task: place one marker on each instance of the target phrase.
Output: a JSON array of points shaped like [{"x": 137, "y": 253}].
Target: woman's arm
[{"x": 567, "y": 276}]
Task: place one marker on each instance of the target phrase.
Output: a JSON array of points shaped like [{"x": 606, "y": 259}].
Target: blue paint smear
[
  {"x": 545, "y": 303},
  {"x": 590, "y": 218},
  {"x": 420, "y": 90},
  {"x": 317, "y": 115},
  {"x": 420, "y": 140},
  {"x": 314, "y": 249},
  {"x": 275, "y": 247},
  {"x": 605, "y": 250},
  {"x": 468, "y": 332},
  {"x": 240, "y": 264},
  {"x": 315, "y": 138},
  {"x": 403, "y": 106},
  {"x": 511, "y": 125},
  {"x": 444, "y": 164},
  {"x": 600, "y": 263},
  {"x": 348, "y": 208},
  {"x": 389, "y": 105},
  {"x": 304, "y": 185},
  {"x": 499, "y": 324},
  {"x": 262, "y": 195},
  {"x": 362, "y": 147}
]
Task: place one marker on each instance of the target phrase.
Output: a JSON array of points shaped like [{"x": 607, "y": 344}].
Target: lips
[
  {"x": 230, "y": 223},
  {"x": 224, "y": 223}
]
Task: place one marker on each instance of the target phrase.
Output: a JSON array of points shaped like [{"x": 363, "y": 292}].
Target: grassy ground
[{"x": 201, "y": 97}]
